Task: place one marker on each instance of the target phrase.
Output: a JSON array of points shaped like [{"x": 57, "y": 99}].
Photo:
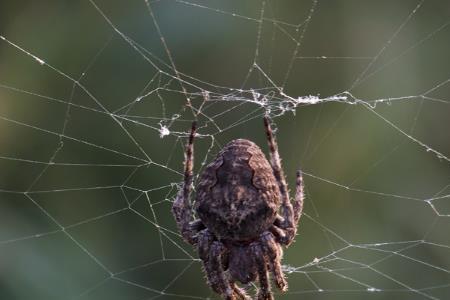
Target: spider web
[{"x": 97, "y": 98}]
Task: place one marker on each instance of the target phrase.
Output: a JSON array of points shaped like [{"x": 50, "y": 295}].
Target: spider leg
[
  {"x": 278, "y": 228},
  {"x": 205, "y": 239},
  {"x": 219, "y": 279},
  {"x": 287, "y": 210},
  {"x": 239, "y": 292},
  {"x": 299, "y": 197},
  {"x": 261, "y": 264},
  {"x": 277, "y": 231},
  {"x": 181, "y": 207},
  {"x": 274, "y": 252},
  {"x": 297, "y": 207},
  {"x": 219, "y": 283},
  {"x": 212, "y": 263}
]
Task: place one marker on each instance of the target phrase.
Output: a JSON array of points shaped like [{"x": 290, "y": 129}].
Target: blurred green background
[{"x": 87, "y": 178}]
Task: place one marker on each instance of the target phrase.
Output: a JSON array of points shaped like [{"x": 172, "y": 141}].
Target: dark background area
[{"x": 87, "y": 180}]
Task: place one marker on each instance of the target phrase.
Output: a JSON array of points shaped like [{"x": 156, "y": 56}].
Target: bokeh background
[{"x": 88, "y": 173}]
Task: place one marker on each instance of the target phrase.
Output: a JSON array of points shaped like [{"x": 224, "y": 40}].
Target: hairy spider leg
[
  {"x": 182, "y": 208},
  {"x": 288, "y": 221},
  {"x": 264, "y": 292},
  {"x": 299, "y": 197},
  {"x": 274, "y": 254},
  {"x": 239, "y": 292},
  {"x": 220, "y": 282},
  {"x": 205, "y": 240},
  {"x": 277, "y": 228},
  {"x": 217, "y": 278}
]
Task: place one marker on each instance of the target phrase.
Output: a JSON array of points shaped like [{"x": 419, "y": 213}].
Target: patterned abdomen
[{"x": 237, "y": 195}]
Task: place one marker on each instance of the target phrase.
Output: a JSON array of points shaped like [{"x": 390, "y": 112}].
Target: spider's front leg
[
  {"x": 181, "y": 208},
  {"x": 285, "y": 227}
]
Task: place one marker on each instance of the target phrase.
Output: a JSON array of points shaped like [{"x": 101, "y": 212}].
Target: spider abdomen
[{"x": 237, "y": 195}]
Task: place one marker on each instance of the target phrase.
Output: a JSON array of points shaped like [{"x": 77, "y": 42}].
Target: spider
[{"x": 244, "y": 216}]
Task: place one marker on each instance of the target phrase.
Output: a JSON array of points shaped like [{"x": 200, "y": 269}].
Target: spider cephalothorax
[{"x": 245, "y": 215}]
